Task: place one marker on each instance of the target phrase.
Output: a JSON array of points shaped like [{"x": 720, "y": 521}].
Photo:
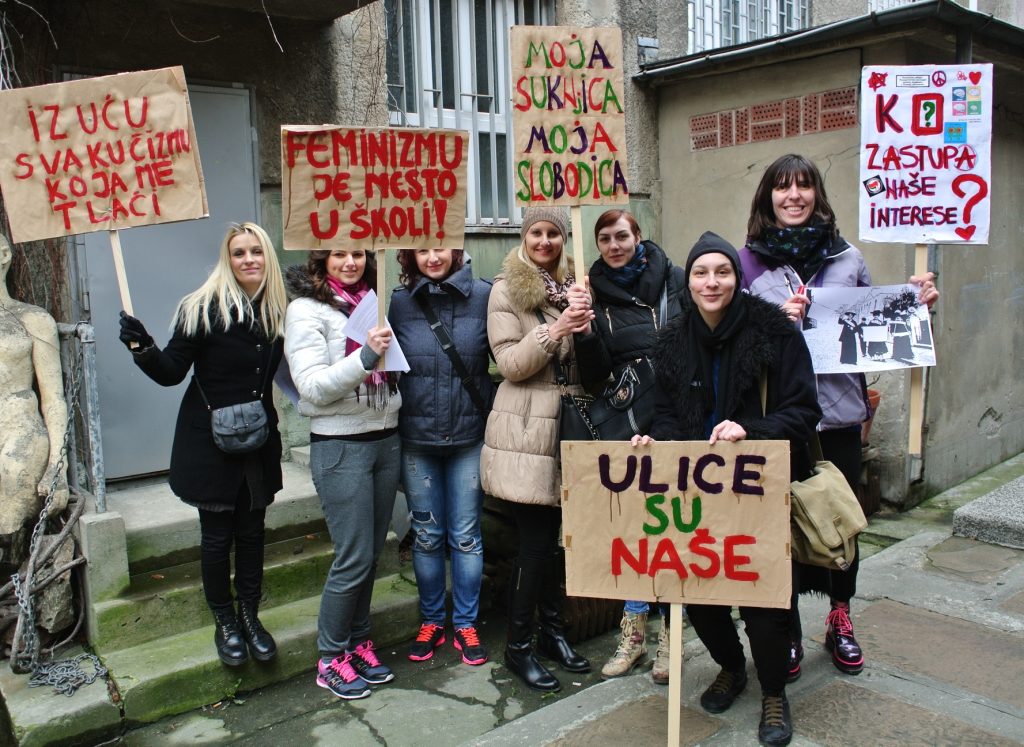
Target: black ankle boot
[
  {"x": 520, "y": 660},
  {"x": 227, "y": 637},
  {"x": 261, "y": 643},
  {"x": 552, "y": 642}
]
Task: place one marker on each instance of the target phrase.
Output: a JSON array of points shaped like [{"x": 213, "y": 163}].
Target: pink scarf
[{"x": 378, "y": 382}]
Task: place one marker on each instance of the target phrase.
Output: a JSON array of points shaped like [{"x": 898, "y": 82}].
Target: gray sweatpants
[{"x": 356, "y": 482}]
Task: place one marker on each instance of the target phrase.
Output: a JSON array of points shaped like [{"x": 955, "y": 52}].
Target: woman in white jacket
[{"x": 354, "y": 453}]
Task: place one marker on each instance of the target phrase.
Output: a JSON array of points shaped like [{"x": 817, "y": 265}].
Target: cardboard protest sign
[
  {"x": 373, "y": 188},
  {"x": 99, "y": 154},
  {"x": 678, "y": 521},
  {"x": 868, "y": 329},
  {"x": 567, "y": 116},
  {"x": 925, "y": 159}
]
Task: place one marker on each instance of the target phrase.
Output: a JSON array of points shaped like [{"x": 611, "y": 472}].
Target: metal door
[{"x": 163, "y": 263}]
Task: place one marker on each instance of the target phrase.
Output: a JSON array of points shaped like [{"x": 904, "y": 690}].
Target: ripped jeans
[{"x": 443, "y": 489}]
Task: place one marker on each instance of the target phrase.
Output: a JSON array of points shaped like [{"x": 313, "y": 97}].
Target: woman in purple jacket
[{"x": 793, "y": 244}]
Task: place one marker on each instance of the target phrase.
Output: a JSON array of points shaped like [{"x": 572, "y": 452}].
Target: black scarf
[
  {"x": 704, "y": 344},
  {"x": 804, "y": 248}
]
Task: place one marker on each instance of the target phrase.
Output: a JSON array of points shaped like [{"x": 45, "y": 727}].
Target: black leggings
[
  {"x": 842, "y": 448},
  {"x": 219, "y": 529}
]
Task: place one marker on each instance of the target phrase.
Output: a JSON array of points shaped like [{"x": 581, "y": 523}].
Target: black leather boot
[
  {"x": 227, "y": 637},
  {"x": 519, "y": 655},
  {"x": 552, "y": 642},
  {"x": 261, "y": 643}
]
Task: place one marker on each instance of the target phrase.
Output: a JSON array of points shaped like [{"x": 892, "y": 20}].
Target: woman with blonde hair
[
  {"x": 534, "y": 309},
  {"x": 228, "y": 332}
]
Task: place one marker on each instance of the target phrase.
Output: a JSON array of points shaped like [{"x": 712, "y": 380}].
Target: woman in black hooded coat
[{"x": 708, "y": 363}]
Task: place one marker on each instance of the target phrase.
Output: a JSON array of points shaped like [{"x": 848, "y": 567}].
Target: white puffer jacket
[{"x": 331, "y": 385}]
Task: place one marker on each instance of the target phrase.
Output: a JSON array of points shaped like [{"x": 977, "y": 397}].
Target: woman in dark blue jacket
[{"x": 441, "y": 423}]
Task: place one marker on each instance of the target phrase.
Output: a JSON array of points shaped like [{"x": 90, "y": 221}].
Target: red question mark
[{"x": 966, "y": 232}]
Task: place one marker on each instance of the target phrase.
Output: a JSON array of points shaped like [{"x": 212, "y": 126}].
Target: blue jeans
[
  {"x": 443, "y": 489},
  {"x": 356, "y": 482}
]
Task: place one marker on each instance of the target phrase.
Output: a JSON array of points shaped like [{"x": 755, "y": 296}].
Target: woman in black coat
[
  {"x": 709, "y": 363},
  {"x": 229, "y": 333},
  {"x": 636, "y": 291}
]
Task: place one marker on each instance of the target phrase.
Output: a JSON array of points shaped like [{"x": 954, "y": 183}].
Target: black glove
[{"x": 133, "y": 331}]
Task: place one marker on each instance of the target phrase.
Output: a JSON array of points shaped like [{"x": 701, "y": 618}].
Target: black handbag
[
  {"x": 241, "y": 428},
  {"x": 573, "y": 420},
  {"x": 626, "y": 407}
]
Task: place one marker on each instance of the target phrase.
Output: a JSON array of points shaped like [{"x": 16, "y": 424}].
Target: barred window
[
  {"x": 722, "y": 23},
  {"x": 448, "y": 67}
]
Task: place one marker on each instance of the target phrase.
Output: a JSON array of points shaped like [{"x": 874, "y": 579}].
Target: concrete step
[
  {"x": 997, "y": 517},
  {"x": 181, "y": 672},
  {"x": 162, "y": 531},
  {"x": 171, "y": 601},
  {"x": 178, "y": 673}
]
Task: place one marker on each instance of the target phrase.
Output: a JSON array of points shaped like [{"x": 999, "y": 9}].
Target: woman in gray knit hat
[{"x": 534, "y": 308}]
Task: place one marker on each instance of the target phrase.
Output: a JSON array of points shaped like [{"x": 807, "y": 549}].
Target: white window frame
[
  {"x": 426, "y": 67},
  {"x": 723, "y": 23}
]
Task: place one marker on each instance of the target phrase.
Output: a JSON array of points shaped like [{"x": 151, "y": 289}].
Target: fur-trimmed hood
[
  {"x": 755, "y": 348},
  {"x": 525, "y": 285},
  {"x": 297, "y": 282}
]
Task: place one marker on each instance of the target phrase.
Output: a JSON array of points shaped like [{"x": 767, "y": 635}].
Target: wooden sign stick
[
  {"x": 917, "y": 374},
  {"x": 675, "y": 669},
  {"x": 576, "y": 213},
  {"x": 122, "y": 278},
  {"x": 381, "y": 272}
]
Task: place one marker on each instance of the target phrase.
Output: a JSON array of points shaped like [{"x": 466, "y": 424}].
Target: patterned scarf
[
  {"x": 804, "y": 248},
  {"x": 626, "y": 276},
  {"x": 379, "y": 384},
  {"x": 558, "y": 294}
]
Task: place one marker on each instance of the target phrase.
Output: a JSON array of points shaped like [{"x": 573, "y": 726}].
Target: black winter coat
[
  {"x": 770, "y": 342},
  {"x": 233, "y": 366},
  {"x": 436, "y": 407},
  {"x": 626, "y": 322}
]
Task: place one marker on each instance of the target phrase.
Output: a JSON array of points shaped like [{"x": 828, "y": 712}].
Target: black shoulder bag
[
  {"x": 445, "y": 341},
  {"x": 241, "y": 428},
  {"x": 573, "y": 419},
  {"x": 626, "y": 407}
]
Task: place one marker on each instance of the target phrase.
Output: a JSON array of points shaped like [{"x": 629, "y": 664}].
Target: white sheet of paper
[{"x": 363, "y": 317}]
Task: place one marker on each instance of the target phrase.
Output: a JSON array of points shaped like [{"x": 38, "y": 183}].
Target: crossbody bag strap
[
  {"x": 814, "y": 443},
  {"x": 445, "y": 341},
  {"x": 663, "y": 305},
  {"x": 266, "y": 375}
]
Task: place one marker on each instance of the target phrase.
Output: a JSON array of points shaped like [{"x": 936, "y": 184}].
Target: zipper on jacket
[{"x": 641, "y": 304}]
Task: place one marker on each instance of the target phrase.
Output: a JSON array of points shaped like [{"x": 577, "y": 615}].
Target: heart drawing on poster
[
  {"x": 966, "y": 232},
  {"x": 975, "y": 77}
]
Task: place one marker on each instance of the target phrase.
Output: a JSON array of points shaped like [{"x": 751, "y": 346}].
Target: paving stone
[
  {"x": 963, "y": 654},
  {"x": 640, "y": 723},
  {"x": 431, "y": 718},
  {"x": 973, "y": 560},
  {"x": 1014, "y": 605},
  {"x": 857, "y": 716}
]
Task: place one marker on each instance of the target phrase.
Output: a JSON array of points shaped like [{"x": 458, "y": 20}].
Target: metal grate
[{"x": 448, "y": 67}]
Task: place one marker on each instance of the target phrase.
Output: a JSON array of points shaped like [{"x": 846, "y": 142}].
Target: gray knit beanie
[{"x": 558, "y": 217}]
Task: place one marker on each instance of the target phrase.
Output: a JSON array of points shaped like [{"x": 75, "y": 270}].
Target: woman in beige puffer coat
[{"x": 519, "y": 461}]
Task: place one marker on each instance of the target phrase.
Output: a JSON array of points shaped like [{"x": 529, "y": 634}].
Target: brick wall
[{"x": 775, "y": 120}]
